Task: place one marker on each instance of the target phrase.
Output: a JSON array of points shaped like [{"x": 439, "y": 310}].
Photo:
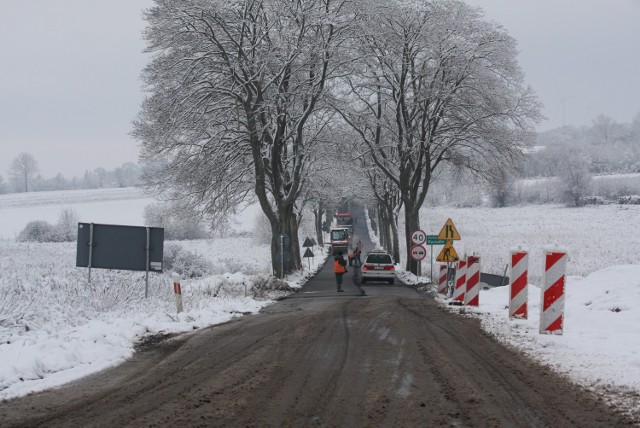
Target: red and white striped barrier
[
  {"x": 552, "y": 311},
  {"x": 442, "y": 280},
  {"x": 518, "y": 288},
  {"x": 177, "y": 291},
  {"x": 472, "y": 295},
  {"x": 461, "y": 281}
]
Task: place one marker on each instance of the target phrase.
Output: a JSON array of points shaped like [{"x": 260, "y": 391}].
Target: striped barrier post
[
  {"x": 177, "y": 291},
  {"x": 472, "y": 295},
  {"x": 552, "y": 310},
  {"x": 518, "y": 292},
  {"x": 442, "y": 279},
  {"x": 461, "y": 281}
]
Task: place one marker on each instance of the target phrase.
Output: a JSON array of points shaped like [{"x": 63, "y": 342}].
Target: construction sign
[
  {"x": 449, "y": 232},
  {"x": 448, "y": 253}
]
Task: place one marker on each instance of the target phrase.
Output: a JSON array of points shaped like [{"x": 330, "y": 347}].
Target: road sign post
[
  {"x": 431, "y": 241},
  {"x": 418, "y": 252},
  {"x": 418, "y": 237},
  {"x": 449, "y": 232}
]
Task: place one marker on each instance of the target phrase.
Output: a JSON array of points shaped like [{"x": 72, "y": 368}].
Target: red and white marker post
[
  {"x": 472, "y": 295},
  {"x": 518, "y": 291},
  {"x": 442, "y": 280},
  {"x": 177, "y": 291},
  {"x": 461, "y": 281},
  {"x": 552, "y": 311}
]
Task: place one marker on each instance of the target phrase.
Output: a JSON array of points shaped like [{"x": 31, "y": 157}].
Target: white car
[{"x": 378, "y": 266}]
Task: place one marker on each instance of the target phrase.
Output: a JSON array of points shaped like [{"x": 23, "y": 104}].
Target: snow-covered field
[
  {"x": 600, "y": 347},
  {"x": 106, "y": 206},
  {"x": 595, "y": 236},
  {"x": 54, "y": 327}
]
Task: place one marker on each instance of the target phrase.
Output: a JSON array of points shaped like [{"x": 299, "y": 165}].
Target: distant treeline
[
  {"x": 23, "y": 176},
  {"x": 609, "y": 146}
]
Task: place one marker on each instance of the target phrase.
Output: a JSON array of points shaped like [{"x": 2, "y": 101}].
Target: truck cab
[
  {"x": 344, "y": 220},
  {"x": 340, "y": 239}
]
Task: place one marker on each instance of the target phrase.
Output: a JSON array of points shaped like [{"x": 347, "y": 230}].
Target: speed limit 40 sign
[
  {"x": 418, "y": 252},
  {"x": 418, "y": 237}
]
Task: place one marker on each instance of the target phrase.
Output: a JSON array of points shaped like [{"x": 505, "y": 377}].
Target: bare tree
[
  {"x": 23, "y": 170},
  {"x": 500, "y": 182},
  {"x": 604, "y": 129},
  {"x": 236, "y": 102},
  {"x": 67, "y": 226},
  {"x": 127, "y": 175},
  {"x": 386, "y": 196},
  {"x": 437, "y": 85},
  {"x": 574, "y": 177}
]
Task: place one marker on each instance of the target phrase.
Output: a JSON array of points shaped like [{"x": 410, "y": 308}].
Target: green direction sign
[{"x": 433, "y": 240}]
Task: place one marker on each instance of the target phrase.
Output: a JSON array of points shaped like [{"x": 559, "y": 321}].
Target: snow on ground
[
  {"x": 55, "y": 327},
  {"x": 107, "y": 206},
  {"x": 600, "y": 347},
  {"x": 595, "y": 236}
]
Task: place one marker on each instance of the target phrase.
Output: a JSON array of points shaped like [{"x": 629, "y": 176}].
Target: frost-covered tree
[
  {"x": 236, "y": 102},
  {"x": 22, "y": 171},
  {"x": 67, "y": 226},
  {"x": 435, "y": 84},
  {"x": 574, "y": 177},
  {"x": 127, "y": 175},
  {"x": 635, "y": 129},
  {"x": 177, "y": 225},
  {"x": 388, "y": 201},
  {"x": 605, "y": 129},
  {"x": 500, "y": 183}
]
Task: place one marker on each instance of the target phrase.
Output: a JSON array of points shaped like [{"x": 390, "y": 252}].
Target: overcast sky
[{"x": 69, "y": 72}]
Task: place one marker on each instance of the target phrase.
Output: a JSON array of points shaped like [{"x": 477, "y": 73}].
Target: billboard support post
[
  {"x": 108, "y": 246},
  {"x": 90, "y": 249},
  {"x": 147, "y": 248}
]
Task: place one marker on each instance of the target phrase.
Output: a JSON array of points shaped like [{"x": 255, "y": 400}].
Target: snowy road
[
  {"x": 319, "y": 358},
  {"x": 323, "y": 361}
]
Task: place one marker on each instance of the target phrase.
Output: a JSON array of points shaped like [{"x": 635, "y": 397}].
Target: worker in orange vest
[{"x": 339, "y": 268}]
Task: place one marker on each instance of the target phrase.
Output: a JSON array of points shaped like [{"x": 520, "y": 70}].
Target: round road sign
[
  {"x": 418, "y": 252},
  {"x": 418, "y": 237}
]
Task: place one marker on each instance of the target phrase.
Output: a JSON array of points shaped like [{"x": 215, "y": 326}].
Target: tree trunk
[
  {"x": 395, "y": 241},
  {"x": 382, "y": 229},
  {"x": 295, "y": 242},
  {"x": 372, "y": 219},
  {"x": 317, "y": 217},
  {"x": 285, "y": 260}
]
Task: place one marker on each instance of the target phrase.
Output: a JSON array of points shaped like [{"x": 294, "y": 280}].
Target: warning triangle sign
[
  {"x": 449, "y": 232},
  {"x": 447, "y": 254},
  {"x": 307, "y": 243},
  {"x": 308, "y": 253}
]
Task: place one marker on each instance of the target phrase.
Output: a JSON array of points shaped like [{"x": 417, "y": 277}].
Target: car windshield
[
  {"x": 379, "y": 258},
  {"x": 338, "y": 235},
  {"x": 344, "y": 220}
]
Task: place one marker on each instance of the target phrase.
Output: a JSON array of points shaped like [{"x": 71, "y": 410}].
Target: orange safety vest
[{"x": 337, "y": 267}]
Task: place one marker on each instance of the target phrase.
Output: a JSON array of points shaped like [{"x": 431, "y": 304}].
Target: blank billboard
[{"x": 120, "y": 247}]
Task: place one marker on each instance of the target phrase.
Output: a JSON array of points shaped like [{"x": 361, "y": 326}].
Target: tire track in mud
[
  {"x": 524, "y": 393},
  {"x": 337, "y": 361}
]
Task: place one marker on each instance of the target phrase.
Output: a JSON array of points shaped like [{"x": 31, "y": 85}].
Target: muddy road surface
[
  {"x": 323, "y": 361},
  {"x": 392, "y": 358}
]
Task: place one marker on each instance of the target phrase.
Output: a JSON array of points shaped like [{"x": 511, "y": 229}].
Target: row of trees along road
[{"x": 268, "y": 96}]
